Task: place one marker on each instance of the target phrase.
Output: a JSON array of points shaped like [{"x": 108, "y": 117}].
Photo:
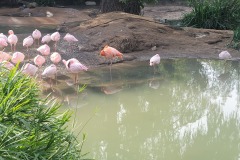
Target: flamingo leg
[
  {"x": 111, "y": 69},
  {"x": 14, "y": 47}
]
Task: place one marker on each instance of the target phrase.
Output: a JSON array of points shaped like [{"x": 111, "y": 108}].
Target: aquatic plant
[
  {"x": 31, "y": 127},
  {"x": 213, "y": 14}
]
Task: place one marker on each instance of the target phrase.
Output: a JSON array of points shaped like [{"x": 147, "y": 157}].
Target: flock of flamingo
[{"x": 72, "y": 65}]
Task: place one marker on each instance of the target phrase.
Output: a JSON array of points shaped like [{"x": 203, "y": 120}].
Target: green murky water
[{"x": 187, "y": 109}]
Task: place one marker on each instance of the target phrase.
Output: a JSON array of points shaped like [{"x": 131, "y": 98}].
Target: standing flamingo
[
  {"x": 70, "y": 38},
  {"x": 17, "y": 57},
  {"x": 36, "y": 35},
  {"x": 3, "y": 43},
  {"x": 30, "y": 69},
  {"x": 155, "y": 60},
  {"x": 46, "y": 38},
  {"x": 44, "y": 50},
  {"x": 49, "y": 72},
  {"x": 4, "y": 56},
  {"x": 3, "y": 36},
  {"x": 39, "y": 60},
  {"x": 55, "y": 37},
  {"x": 74, "y": 66},
  {"x": 225, "y": 55},
  {"x": 55, "y": 57},
  {"x": 12, "y": 40},
  {"x": 27, "y": 42}
]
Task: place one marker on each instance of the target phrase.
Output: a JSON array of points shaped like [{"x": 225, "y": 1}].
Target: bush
[
  {"x": 30, "y": 127},
  {"x": 213, "y": 14}
]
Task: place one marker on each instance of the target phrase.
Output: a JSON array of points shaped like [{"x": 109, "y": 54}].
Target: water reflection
[{"x": 189, "y": 110}]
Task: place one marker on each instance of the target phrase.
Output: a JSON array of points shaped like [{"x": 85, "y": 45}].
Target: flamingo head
[
  {"x": 102, "y": 53},
  {"x": 10, "y": 32}
]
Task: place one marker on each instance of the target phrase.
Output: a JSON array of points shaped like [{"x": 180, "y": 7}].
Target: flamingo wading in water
[
  {"x": 155, "y": 60},
  {"x": 74, "y": 66}
]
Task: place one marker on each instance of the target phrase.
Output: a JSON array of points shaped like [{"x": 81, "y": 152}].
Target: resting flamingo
[
  {"x": 50, "y": 72},
  {"x": 12, "y": 40},
  {"x": 27, "y": 42},
  {"x": 4, "y": 56},
  {"x": 55, "y": 57},
  {"x": 74, "y": 66},
  {"x": 39, "y": 60},
  {"x": 225, "y": 55},
  {"x": 7, "y": 65},
  {"x": 29, "y": 69},
  {"x": 17, "y": 57},
  {"x": 3, "y": 36},
  {"x": 46, "y": 38},
  {"x": 44, "y": 50},
  {"x": 36, "y": 35},
  {"x": 3, "y": 43}
]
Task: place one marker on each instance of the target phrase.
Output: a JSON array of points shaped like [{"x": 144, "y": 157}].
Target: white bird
[
  {"x": 225, "y": 55},
  {"x": 155, "y": 60}
]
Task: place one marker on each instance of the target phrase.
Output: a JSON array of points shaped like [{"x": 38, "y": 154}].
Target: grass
[
  {"x": 213, "y": 14},
  {"x": 30, "y": 127}
]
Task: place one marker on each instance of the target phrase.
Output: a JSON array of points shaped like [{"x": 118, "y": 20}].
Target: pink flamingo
[
  {"x": 12, "y": 40},
  {"x": 17, "y": 57},
  {"x": 7, "y": 64},
  {"x": 225, "y": 55},
  {"x": 155, "y": 60},
  {"x": 4, "y": 56},
  {"x": 3, "y": 36},
  {"x": 46, "y": 38},
  {"x": 74, "y": 66},
  {"x": 36, "y": 35},
  {"x": 55, "y": 57},
  {"x": 49, "y": 72},
  {"x": 70, "y": 38},
  {"x": 27, "y": 42},
  {"x": 44, "y": 50},
  {"x": 3, "y": 43},
  {"x": 39, "y": 60},
  {"x": 30, "y": 69},
  {"x": 55, "y": 37}
]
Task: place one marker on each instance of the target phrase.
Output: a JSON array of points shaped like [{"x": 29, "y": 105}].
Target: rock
[
  {"x": 154, "y": 48},
  {"x": 90, "y": 3},
  {"x": 49, "y": 14}
]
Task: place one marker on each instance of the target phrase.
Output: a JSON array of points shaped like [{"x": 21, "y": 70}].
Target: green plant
[
  {"x": 213, "y": 14},
  {"x": 45, "y": 2},
  {"x": 30, "y": 127},
  {"x": 235, "y": 43}
]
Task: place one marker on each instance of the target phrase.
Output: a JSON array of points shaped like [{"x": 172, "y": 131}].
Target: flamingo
[
  {"x": 12, "y": 40},
  {"x": 225, "y": 55},
  {"x": 74, "y": 66},
  {"x": 36, "y": 35},
  {"x": 17, "y": 57},
  {"x": 70, "y": 38},
  {"x": 55, "y": 57},
  {"x": 4, "y": 56},
  {"x": 155, "y": 60},
  {"x": 44, "y": 50},
  {"x": 7, "y": 64},
  {"x": 110, "y": 53},
  {"x": 3, "y": 36},
  {"x": 27, "y": 42},
  {"x": 39, "y": 60},
  {"x": 55, "y": 37},
  {"x": 30, "y": 69},
  {"x": 3, "y": 43},
  {"x": 50, "y": 71},
  {"x": 46, "y": 38}
]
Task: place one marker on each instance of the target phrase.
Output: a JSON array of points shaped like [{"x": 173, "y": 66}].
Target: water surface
[{"x": 184, "y": 109}]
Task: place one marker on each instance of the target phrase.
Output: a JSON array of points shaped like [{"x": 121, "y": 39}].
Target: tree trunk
[{"x": 133, "y": 7}]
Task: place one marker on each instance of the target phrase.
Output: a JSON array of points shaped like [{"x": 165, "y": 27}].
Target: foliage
[
  {"x": 235, "y": 43},
  {"x": 141, "y": 1},
  {"x": 45, "y": 2},
  {"x": 213, "y": 14},
  {"x": 30, "y": 127}
]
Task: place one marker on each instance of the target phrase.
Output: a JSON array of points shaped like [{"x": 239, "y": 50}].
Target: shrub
[
  {"x": 30, "y": 127},
  {"x": 213, "y": 14}
]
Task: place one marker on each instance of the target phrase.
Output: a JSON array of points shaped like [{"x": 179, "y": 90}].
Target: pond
[{"x": 184, "y": 109}]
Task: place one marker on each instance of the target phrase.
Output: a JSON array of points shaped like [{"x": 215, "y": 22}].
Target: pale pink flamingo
[
  {"x": 55, "y": 57},
  {"x": 3, "y": 43},
  {"x": 3, "y": 36},
  {"x": 55, "y": 37},
  {"x": 70, "y": 38},
  {"x": 36, "y": 35},
  {"x": 155, "y": 60},
  {"x": 46, "y": 38},
  {"x": 39, "y": 60},
  {"x": 12, "y": 40},
  {"x": 27, "y": 42},
  {"x": 225, "y": 55},
  {"x": 74, "y": 66},
  {"x": 7, "y": 64},
  {"x": 30, "y": 69},
  {"x": 17, "y": 57},
  {"x": 50, "y": 72},
  {"x": 44, "y": 50},
  {"x": 4, "y": 56}
]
